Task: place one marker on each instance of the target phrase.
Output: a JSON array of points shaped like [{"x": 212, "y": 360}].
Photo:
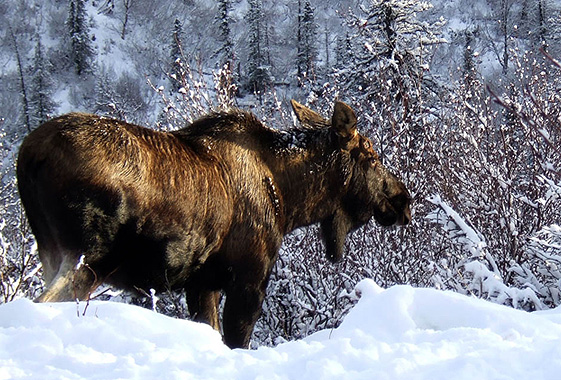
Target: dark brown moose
[{"x": 203, "y": 208}]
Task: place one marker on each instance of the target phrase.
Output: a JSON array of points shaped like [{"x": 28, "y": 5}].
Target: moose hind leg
[
  {"x": 74, "y": 280},
  {"x": 85, "y": 227}
]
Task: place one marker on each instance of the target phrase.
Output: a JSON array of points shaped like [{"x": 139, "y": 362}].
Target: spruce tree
[
  {"x": 546, "y": 25},
  {"x": 343, "y": 51},
  {"x": 22, "y": 81},
  {"x": 41, "y": 103},
  {"x": 307, "y": 40},
  {"x": 224, "y": 19},
  {"x": 505, "y": 32},
  {"x": 258, "y": 73},
  {"x": 390, "y": 42},
  {"x": 228, "y": 79},
  {"x": 176, "y": 55},
  {"x": 388, "y": 74},
  {"x": 81, "y": 50},
  {"x": 469, "y": 69}
]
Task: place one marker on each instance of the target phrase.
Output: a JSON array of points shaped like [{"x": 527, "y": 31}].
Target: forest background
[{"x": 461, "y": 98}]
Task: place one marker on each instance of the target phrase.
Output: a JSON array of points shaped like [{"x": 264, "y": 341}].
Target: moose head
[{"x": 371, "y": 190}]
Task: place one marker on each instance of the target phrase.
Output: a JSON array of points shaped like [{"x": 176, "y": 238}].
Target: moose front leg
[
  {"x": 241, "y": 311},
  {"x": 203, "y": 306}
]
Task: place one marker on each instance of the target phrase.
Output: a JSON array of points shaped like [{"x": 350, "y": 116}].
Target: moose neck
[{"x": 306, "y": 170}]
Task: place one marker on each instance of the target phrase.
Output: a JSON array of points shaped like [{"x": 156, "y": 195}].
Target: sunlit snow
[{"x": 398, "y": 333}]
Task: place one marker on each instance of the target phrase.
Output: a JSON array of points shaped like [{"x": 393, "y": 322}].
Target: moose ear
[
  {"x": 307, "y": 117},
  {"x": 344, "y": 121}
]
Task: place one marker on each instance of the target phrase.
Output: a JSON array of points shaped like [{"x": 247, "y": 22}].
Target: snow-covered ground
[{"x": 398, "y": 333}]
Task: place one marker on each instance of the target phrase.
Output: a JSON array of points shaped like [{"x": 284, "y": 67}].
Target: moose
[{"x": 203, "y": 208}]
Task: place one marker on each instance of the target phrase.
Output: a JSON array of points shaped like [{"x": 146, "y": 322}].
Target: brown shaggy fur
[{"x": 204, "y": 208}]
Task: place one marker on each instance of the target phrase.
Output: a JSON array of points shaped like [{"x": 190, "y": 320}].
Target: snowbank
[{"x": 398, "y": 333}]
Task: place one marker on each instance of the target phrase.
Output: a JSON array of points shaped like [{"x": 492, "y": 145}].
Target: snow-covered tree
[
  {"x": 41, "y": 102},
  {"x": 505, "y": 25},
  {"x": 122, "y": 98},
  {"x": 343, "y": 51},
  {"x": 24, "y": 115},
  {"x": 469, "y": 69},
  {"x": 258, "y": 69},
  {"x": 389, "y": 73},
  {"x": 224, "y": 20},
  {"x": 307, "y": 39},
  {"x": 176, "y": 54},
  {"x": 544, "y": 24},
  {"x": 80, "y": 47}
]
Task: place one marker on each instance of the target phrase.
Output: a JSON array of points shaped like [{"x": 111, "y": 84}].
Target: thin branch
[
  {"x": 550, "y": 58},
  {"x": 523, "y": 116}
]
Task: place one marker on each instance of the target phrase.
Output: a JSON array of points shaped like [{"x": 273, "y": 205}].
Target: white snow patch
[{"x": 398, "y": 333}]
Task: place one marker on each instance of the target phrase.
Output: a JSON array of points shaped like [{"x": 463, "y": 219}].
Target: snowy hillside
[{"x": 398, "y": 333}]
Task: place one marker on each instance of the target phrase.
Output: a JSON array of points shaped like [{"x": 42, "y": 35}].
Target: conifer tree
[
  {"x": 388, "y": 75},
  {"x": 468, "y": 67},
  {"x": 390, "y": 53},
  {"x": 176, "y": 54},
  {"x": 546, "y": 24},
  {"x": 307, "y": 39},
  {"x": 343, "y": 51},
  {"x": 505, "y": 32},
  {"x": 41, "y": 103},
  {"x": 258, "y": 73},
  {"x": 81, "y": 50},
  {"x": 228, "y": 76},
  {"x": 224, "y": 19},
  {"x": 22, "y": 80}
]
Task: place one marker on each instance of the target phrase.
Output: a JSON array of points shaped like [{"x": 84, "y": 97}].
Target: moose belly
[{"x": 161, "y": 246}]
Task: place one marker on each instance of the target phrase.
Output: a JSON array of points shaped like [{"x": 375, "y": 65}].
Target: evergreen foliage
[
  {"x": 224, "y": 19},
  {"x": 388, "y": 73},
  {"x": 307, "y": 40},
  {"x": 469, "y": 69},
  {"x": 42, "y": 105},
  {"x": 81, "y": 51},
  {"x": 258, "y": 69},
  {"x": 343, "y": 51},
  {"x": 24, "y": 114},
  {"x": 176, "y": 54}
]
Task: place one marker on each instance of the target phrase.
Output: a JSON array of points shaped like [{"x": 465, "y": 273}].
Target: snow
[{"x": 398, "y": 333}]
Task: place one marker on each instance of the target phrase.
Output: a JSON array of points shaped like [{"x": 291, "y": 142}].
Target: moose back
[{"x": 204, "y": 208}]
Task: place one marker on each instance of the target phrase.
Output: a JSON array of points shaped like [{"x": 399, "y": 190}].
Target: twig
[
  {"x": 83, "y": 264},
  {"x": 522, "y": 115},
  {"x": 550, "y": 58}
]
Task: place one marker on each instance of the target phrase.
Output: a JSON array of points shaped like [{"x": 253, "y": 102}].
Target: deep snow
[{"x": 398, "y": 333}]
